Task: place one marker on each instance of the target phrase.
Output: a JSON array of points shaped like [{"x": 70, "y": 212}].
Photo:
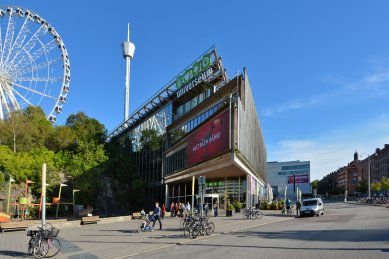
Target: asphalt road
[{"x": 344, "y": 231}]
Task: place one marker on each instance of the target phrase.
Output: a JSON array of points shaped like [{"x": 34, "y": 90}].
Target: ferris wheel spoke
[
  {"x": 8, "y": 37},
  {"x": 12, "y": 98},
  {"x": 19, "y": 40},
  {"x": 4, "y": 101},
  {"x": 24, "y": 98},
  {"x": 1, "y": 44},
  {"x": 39, "y": 79},
  {"x": 1, "y": 109},
  {"x": 34, "y": 91},
  {"x": 40, "y": 66},
  {"x": 44, "y": 49},
  {"x": 30, "y": 44}
]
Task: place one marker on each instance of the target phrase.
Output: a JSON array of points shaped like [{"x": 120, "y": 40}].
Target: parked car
[{"x": 312, "y": 207}]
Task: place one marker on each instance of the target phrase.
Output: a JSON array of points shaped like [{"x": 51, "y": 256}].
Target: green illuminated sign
[{"x": 194, "y": 71}]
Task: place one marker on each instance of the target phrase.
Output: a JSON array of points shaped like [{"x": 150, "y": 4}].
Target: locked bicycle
[{"x": 43, "y": 242}]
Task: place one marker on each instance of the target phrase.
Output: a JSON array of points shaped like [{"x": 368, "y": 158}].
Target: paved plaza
[
  {"x": 121, "y": 240},
  {"x": 344, "y": 231}
]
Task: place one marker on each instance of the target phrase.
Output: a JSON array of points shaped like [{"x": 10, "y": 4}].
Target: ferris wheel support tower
[{"x": 128, "y": 53}]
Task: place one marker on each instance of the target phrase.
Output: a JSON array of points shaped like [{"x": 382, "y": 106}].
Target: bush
[
  {"x": 264, "y": 205},
  {"x": 273, "y": 206},
  {"x": 237, "y": 205},
  {"x": 231, "y": 207}
]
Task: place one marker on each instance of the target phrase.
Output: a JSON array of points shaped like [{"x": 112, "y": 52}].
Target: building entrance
[{"x": 209, "y": 199}]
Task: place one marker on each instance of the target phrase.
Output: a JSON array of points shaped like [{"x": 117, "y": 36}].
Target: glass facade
[
  {"x": 188, "y": 126},
  {"x": 192, "y": 103},
  {"x": 158, "y": 122}
]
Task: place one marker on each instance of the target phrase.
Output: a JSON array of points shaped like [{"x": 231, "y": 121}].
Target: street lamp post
[
  {"x": 59, "y": 198},
  {"x": 9, "y": 191},
  {"x": 368, "y": 175}
]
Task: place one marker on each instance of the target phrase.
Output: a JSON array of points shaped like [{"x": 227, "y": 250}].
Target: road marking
[{"x": 200, "y": 238}]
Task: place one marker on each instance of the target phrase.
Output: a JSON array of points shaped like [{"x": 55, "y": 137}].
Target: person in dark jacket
[{"x": 157, "y": 215}]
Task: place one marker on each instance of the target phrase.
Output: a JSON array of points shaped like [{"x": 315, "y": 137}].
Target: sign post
[
  {"x": 193, "y": 187},
  {"x": 201, "y": 192}
]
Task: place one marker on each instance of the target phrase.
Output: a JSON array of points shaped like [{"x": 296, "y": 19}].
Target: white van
[{"x": 313, "y": 206}]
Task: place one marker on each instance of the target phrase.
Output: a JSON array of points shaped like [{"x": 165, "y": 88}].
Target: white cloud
[
  {"x": 333, "y": 150},
  {"x": 377, "y": 77},
  {"x": 370, "y": 86}
]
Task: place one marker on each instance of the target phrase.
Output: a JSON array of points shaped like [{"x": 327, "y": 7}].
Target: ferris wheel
[{"x": 34, "y": 64}]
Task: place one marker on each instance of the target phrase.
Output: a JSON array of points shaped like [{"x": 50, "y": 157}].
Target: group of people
[{"x": 179, "y": 209}]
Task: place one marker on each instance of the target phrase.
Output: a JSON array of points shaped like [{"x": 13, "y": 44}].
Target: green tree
[
  {"x": 385, "y": 184},
  {"x": 127, "y": 185},
  {"x": 12, "y": 130},
  {"x": 314, "y": 184},
  {"x": 362, "y": 186},
  {"x": 376, "y": 186},
  {"x": 86, "y": 128}
]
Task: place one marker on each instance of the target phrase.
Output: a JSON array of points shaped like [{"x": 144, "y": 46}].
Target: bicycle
[
  {"x": 203, "y": 226},
  {"x": 289, "y": 211},
  {"x": 252, "y": 213},
  {"x": 43, "y": 242},
  {"x": 199, "y": 226}
]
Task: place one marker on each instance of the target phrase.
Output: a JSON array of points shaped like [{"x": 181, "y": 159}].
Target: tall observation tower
[{"x": 128, "y": 52}]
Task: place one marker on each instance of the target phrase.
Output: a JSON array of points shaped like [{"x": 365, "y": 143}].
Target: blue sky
[{"x": 319, "y": 69}]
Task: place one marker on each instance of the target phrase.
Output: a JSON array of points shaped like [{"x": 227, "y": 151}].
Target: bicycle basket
[{"x": 54, "y": 232}]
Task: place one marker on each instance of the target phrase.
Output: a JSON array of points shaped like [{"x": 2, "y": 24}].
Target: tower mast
[{"x": 128, "y": 53}]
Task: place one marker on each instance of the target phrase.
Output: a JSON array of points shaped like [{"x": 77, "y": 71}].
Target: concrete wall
[{"x": 250, "y": 143}]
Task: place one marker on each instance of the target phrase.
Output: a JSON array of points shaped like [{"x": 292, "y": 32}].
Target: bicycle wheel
[
  {"x": 196, "y": 231},
  {"x": 31, "y": 244},
  {"x": 258, "y": 214},
  {"x": 246, "y": 214},
  {"x": 210, "y": 228},
  {"x": 54, "y": 247},
  {"x": 41, "y": 248}
]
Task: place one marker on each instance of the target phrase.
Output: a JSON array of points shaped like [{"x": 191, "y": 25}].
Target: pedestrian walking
[
  {"x": 157, "y": 215},
  {"x": 176, "y": 209},
  {"x": 298, "y": 207},
  {"x": 163, "y": 210},
  {"x": 182, "y": 209},
  {"x": 215, "y": 209},
  {"x": 206, "y": 207},
  {"x": 172, "y": 210},
  {"x": 188, "y": 207}
]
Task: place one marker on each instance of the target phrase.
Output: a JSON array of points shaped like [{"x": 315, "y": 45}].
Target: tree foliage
[
  {"x": 76, "y": 154},
  {"x": 362, "y": 186},
  {"x": 376, "y": 186}
]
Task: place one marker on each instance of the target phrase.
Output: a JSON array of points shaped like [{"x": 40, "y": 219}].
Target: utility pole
[{"x": 368, "y": 175}]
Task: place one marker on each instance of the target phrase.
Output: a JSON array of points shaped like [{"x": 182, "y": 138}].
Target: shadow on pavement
[
  {"x": 344, "y": 235},
  {"x": 14, "y": 254},
  {"x": 385, "y": 250}
]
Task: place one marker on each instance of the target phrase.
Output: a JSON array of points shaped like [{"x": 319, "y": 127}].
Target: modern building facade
[
  {"x": 200, "y": 124},
  {"x": 289, "y": 176}
]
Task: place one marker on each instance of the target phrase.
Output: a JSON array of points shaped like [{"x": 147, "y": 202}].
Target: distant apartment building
[
  {"x": 380, "y": 164},
  {"x": 348, "y": 177},
  {"x": 289, "y": 175}
]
